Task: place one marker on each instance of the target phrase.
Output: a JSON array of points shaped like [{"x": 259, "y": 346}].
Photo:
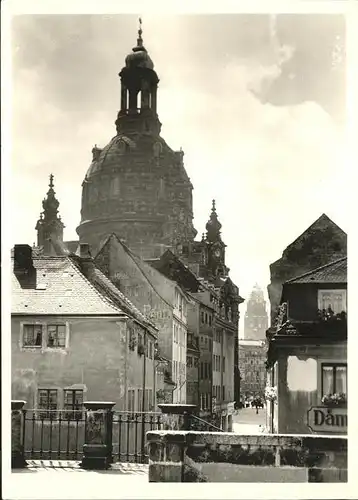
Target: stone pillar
[
  {"x": 17, "y": 434},
  {"x": 230, "y": 423},
  {"x": 166, "y": 456},
  {"x": 177, "y": 417},
  {"x": 97, "y": 450}
]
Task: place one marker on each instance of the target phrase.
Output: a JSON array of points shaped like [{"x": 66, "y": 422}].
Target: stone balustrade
[{"x": 181, "y": 456}]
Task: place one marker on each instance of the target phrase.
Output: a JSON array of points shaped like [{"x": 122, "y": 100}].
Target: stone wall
[{"x": 179, "y": 456}]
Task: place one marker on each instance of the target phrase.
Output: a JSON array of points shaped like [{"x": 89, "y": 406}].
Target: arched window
[
  {"x": 139, "y": 100},
  {"x": 157, "y": 149}
]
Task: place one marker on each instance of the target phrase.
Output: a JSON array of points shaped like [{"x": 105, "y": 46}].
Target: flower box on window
[
  {"x": 334, "y": 400},
  {"x": 271, "y": 394}
]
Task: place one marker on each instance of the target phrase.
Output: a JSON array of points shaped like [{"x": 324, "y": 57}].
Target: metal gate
[{"x": 60, "y": 434}]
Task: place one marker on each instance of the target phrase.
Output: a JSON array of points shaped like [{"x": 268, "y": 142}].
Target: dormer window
[
  {"x": 332, "y": 300},
  {"x": 122, "y": 146}
]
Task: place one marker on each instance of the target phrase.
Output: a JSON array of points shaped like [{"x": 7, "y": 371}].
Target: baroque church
[
  {"x": 137, "y": 186},
  {"x": 137, "y": 189}
]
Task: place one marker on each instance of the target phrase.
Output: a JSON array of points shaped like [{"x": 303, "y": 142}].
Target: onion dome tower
[
  {"x": 137, "y": 187},
  {"x": 215, "y": 245},
  {"x": 50, "y": 226}
]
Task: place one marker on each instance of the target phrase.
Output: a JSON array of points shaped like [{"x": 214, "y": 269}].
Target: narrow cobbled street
[{"x": 247, "y": 421}]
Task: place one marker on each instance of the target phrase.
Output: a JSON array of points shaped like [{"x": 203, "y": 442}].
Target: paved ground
[
  {"x": 247, "y": 421},
  {"x": 74, "y": 466},
  {"x": 45, "y": 479}
]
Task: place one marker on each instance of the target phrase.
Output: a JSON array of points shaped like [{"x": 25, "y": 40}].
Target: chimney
[
  {"x": 86, "y": 260},
  {"x": 23, "y": 265}
]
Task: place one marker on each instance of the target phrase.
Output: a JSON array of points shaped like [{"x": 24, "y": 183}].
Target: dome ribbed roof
[{"x": 110, "y": 154}]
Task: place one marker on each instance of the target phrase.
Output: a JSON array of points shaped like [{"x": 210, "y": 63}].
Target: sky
[{"x": 256, "y": 102}]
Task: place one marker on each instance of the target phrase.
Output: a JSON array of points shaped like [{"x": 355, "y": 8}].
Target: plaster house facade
[
  {"x": 162, "y": 300},
  {"x": 252, "y": 362},
  {"x": 213, "y": 315},
  {"x": 307, "y": 356},
  {"x": 76, "y": 337}
]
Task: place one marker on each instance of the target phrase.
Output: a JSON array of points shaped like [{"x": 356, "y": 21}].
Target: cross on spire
[{"x": 51, "y": 181}]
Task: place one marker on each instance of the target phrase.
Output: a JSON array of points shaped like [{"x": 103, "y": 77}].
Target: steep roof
[
  {"x": 60, "y": 288},
  {"x": 334, "y": 272},
  {"x": 318, "y": 225},
  {"x": 323, "y": 241},
  {"x": 104, "y": 285},
  {"x": 175, "y": 269},
  {"x": 150, "y": 274}
]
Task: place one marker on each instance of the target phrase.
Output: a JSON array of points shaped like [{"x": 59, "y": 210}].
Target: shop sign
[{"x": 326, "y": 419}]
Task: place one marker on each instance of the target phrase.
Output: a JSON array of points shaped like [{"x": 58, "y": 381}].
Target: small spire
[
  {"x": 213, "y": 225},
  {"x": 140, "y": 31},
  {"x": 51, "y": 181}
]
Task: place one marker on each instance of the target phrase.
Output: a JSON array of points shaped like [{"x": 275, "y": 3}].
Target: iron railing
[
  {"x": 53, "y": 434},
  {"x": 60, "y": 434},
  {"x": 199, "y": 424},
  {"x": 129, "y": 435}
]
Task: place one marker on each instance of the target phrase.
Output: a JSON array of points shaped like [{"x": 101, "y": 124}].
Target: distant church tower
[
  {"x": 256, "y": 317},
  {"x": 137, "y": 186}
]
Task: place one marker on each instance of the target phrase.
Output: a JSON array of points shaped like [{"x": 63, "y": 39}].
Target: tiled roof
[
  {"x": 334, "y": 272},
  {"x": 61, "y": 288}
]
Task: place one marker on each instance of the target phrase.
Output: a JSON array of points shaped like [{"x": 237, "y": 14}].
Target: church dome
[{"x": 136, "y": 186}]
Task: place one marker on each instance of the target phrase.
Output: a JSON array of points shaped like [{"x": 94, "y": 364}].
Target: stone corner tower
[{"x": 137, "y": 187}]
